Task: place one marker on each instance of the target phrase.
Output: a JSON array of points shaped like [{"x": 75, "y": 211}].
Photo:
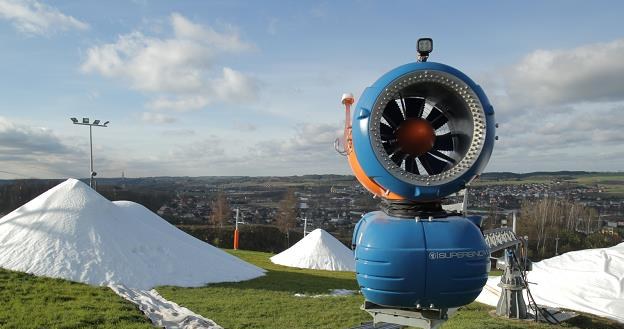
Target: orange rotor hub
[{"x": 416, "y": 136}]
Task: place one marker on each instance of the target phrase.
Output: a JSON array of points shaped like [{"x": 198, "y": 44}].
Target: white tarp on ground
[
  {"x": 590, "y": 281},
  {"x": 318, "y": 250},
  {"x": 74, "y": 233},
  {"x": 332, "y": 293},
  {"x": 162, "y": 312}
]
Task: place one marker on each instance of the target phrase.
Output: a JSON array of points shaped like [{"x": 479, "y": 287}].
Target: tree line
[
  {"x": 285, "y": 221},
  {"x": 558, "y": 226},
  {"x": 255, "y": 237},
  {"x": 16, "y": 194}
]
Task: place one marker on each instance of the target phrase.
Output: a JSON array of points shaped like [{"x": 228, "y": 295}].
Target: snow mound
[
  {"x": 590, "y": 281},
  {"x": 74, "y": 233},
  {"x": 318, "y": 250}
]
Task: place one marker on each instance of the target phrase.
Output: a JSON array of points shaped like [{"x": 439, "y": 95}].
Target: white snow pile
[
  {"x": 162, "y": 312},
  {"x": 590, "y": 281},
  {"x": 74, "y": 233},
  {"x": 318, "y": 250}
]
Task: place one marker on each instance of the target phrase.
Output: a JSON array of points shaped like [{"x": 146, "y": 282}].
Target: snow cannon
[{"x": 420, "y": 133}]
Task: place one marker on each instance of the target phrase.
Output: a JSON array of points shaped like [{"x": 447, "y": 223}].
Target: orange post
[{"x": 236, "y": 239}]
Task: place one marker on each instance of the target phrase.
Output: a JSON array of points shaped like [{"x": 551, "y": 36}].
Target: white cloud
[
  {"x": 35, "y": 151},
  {"x": 179, "y": 132},
  {"x": 151, "y": 64},
  {"x": 179, "y": 103},
  {"x": 35, "y": 18},
  {"x": 21, "y": 140},
  {"x": 229, "y": 41},
  {"x": 179, "y": 71},
  {"x": 582, "y": 125},
  {"x": 244, "y": 126},
  {"x": 210, "y": 148},
  {"x": 561, "y": 109},
  {"x": 310, "y": 148},
  {"x": 588, "y": 73},
  {"x": 156, "y": 118},
  {"x": 234, "y": 86}
]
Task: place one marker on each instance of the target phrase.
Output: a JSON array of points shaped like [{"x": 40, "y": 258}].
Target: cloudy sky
[{"x": 230, "y": 87}]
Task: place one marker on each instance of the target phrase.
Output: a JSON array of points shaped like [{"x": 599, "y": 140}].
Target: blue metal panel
[
  {"x": 390, "y": 260},
  {"x": 405, "y": 263},
  {"x": 457, "y": 262}
]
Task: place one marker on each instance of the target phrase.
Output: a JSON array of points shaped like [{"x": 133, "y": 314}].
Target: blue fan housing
[{"x": 393, "y": 181}]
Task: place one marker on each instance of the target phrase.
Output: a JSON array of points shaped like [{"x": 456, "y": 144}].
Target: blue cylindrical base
[{"x": 428, "y": 264}]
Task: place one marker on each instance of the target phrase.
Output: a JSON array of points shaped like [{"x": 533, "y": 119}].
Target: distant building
[{"x": 608, "y": 230}]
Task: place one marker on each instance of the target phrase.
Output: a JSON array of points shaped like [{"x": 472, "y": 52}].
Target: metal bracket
[{"x": 412, "y": 317}]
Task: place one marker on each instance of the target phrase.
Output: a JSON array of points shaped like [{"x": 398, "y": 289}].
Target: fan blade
[
  {"x": 432, "y": 165},
  {"x": 398, "y": 157},
  {"x": 392, "y": 114},
  {"x": 442, "y": 156},
  {"x": 439, "y": 122},
  {"x": 390, "y": 146},
  {"x": 386, "y": 131},
  {"x": 414, "y": 107},
  {"x": 444, "y": 142},
  {"x": 411, "y": 166},
  {"x": 436, "y": 118}
]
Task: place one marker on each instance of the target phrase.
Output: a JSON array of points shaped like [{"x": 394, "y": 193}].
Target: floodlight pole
[
  {"x": 91, "y": 148},
  {"x": 96, "y": 123}
]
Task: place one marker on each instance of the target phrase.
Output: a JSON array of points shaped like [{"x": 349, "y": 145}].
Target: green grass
[
  {"x": 27, "y": 301},
  {"x": 269, "y": 302},
  {"x": 601, "y": 178},
  {"x": 478, "y": 316}
]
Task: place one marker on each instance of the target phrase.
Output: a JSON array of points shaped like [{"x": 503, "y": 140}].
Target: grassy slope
[
  {"x": 27, "y": 301},
  {"x": 268, "y": 302}
]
